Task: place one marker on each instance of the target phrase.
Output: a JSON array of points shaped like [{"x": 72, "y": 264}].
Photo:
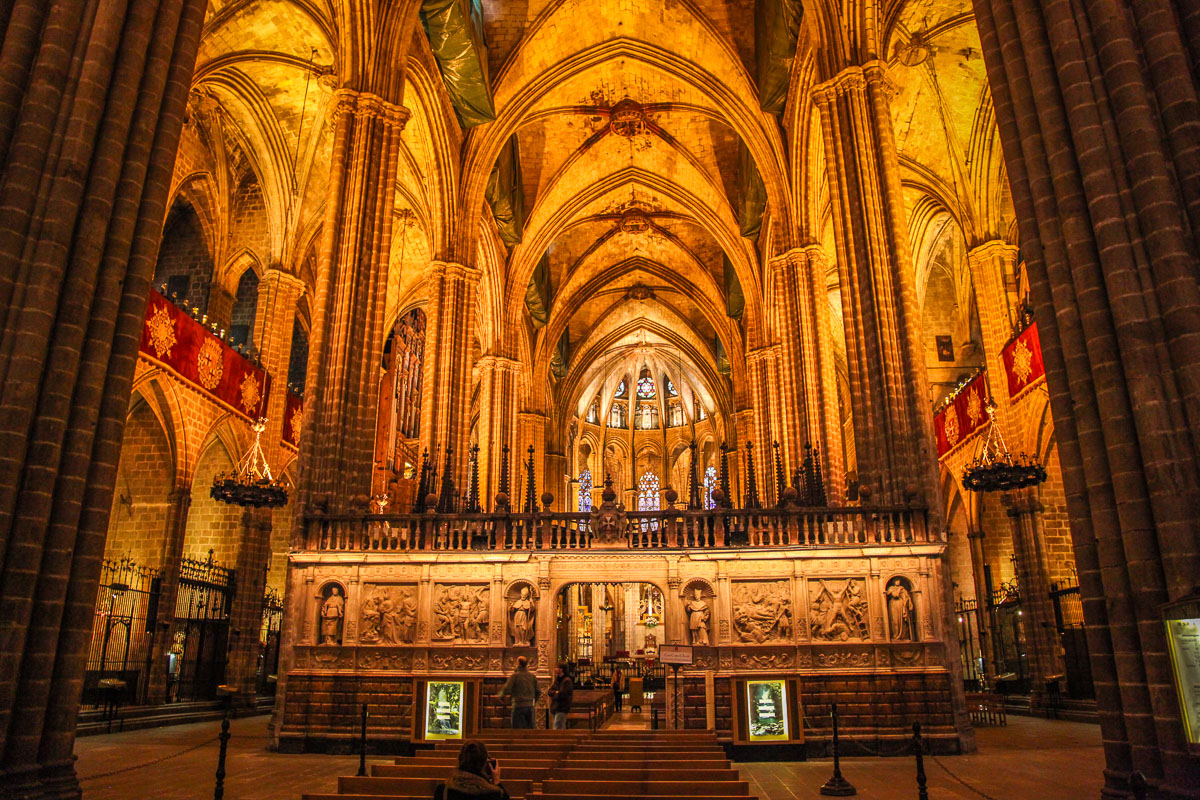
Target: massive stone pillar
[
  {"x": 990, "y": 264},
  {"x": 245, "y": 613},
  {"x": 449, "y": 340},
  {"x": 91, "y": 108},
  {"x": 278, "y": 294},
  {"x": 762, "y": 369},
  {"x": 346, "y": 348},
  {"x": 889, "y": 390},
  {"x": 1042, "y": 644},
  {"x": 497, "y": 413},
  {"x": 1097, "y": 105},
  {"x": 807, "y": 376}
]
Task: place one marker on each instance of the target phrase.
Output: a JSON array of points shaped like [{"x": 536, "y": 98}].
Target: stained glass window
[
  {"x": 620, "y": 389},
  {"x": 645, "y": 386},
  {"x": 671, "y": 390},
  {"x": 648, "y": 499},
  {"x": 585, "y": 490},
  {"x": 710, "y": 483}
]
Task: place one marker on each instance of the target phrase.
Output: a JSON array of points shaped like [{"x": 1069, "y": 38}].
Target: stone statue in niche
[
  {"x": 699, "y": 615},
  {"x": 762, "y": 612},
  {"x": 461, "y": 614},
  {"x": 388, "y": 615},
  {"x": 333, "y": 614},
  {"x": 521, "y": 618},
  {"x": 901, "y": 612},
  {"x": 839, "y": 613}
]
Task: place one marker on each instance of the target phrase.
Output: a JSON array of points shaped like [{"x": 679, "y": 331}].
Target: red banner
[
  {"x": 181, "y": 344},
  {"x": 293, "y": 418},
  {"x": 1023, "y": 362},
  {"x": 962, "y": 416}
]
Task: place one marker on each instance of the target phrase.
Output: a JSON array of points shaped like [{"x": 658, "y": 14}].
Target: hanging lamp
[
  {"x": 252, "y": 485},
  {"x": 995, "y": 469}
]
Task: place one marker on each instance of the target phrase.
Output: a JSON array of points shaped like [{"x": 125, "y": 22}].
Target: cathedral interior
[{"x": 350, "y": 346}]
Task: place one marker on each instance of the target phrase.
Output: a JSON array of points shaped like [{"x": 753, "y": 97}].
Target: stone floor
[{"x": 1029, "y": 759}]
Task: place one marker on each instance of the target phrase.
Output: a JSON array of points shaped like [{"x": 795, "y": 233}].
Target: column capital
[
  {"x": 766, "y": 353},
  {"x": 804, "y": 254},
  {"x": 493, "y": 361},
  {"x": 284, "y": 278},
  {"x": 451, "y": 269},
  {"x": 994, "y": 248},
  {"x": 854, "y": 78},
  {"x": 369, "y": 106}
]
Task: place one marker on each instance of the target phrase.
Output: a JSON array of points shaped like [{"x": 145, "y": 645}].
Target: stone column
[
  {"x": 1096, "y": 109},
  {"x": 347, "y": 341},
  {"x": 764, "y": 395},
  {"x": 449, "y": 338},
  {"x": 219, "y": 309},
  {"x": 1045, "y": 657},
  {"x": 497, "y": 415},
  {"x": 990, "y": 263},
  {"x": 983, "y": 620},
  {"x": 178, "y": 504},
  {"x": 807, "y": 374},
  {"x": 278, "y": 294},
  {"x": 245, "y": 614},
  {"x": 87, "y": 166},
  {"x": 889, "y": 389}
]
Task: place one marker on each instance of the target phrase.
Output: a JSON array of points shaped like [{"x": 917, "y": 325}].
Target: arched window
[
  {"x": 585, "y": 490},
  {"x": 620, "y": 389},
  {"x": 648, "y": 499},
  {"x": 710, "y": 483},
  {"x": 676, "y": 415},
  {"x": 671, "y": 390},
  {"x": 647, "y": 418},
  {"x": 593, "y": 414},
  {"x": 616, "y": 417},
  {"x": 645, "y": 387}
]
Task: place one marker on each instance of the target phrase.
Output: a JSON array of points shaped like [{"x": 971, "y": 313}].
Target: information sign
[
  {"x": 1183, "y": 641},
  {"x": 680, "y": 654},
  {"x": 766, "y": 706},
  {"x": 444, "y": 710}
]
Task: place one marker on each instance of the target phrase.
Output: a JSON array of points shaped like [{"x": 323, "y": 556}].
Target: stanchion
[
  {"x": 922, "y": 792},
  {"x": 223, "y": 736},
  {"x": 837, "y": 786},
  {"x": 362, "y": 745},
  {"x": 1137, "y": 783}
]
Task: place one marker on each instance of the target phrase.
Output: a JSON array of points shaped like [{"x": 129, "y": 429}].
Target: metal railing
[{"x": 642, "y": 530}]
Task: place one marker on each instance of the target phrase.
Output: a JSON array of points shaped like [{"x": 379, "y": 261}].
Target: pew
[
  {"x": 645, "y": 773},
  {"x": 627, "y": 789}
]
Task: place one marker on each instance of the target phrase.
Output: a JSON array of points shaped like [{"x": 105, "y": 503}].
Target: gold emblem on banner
[
  {"x": 1022, "y": 361},
  {"x": 950, "y": 424},
  {"x": 162, "y": 332},
  {"x": 974, "y": 407},
  {"x": 251, "y": 393},
  {"x": 209, "y": 364},
  {"x": 296, "y": 422}
]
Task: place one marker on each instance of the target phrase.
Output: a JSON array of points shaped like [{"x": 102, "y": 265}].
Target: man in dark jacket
[
  {"x": 522, "y": 687},
  {"x": 561, "y": 693},
  {"x": 477, "y": 777}
]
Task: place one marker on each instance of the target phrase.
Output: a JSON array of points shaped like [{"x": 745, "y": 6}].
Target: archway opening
[{"x": 601, "y": 627}]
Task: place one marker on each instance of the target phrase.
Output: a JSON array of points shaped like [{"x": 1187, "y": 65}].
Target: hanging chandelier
[
  {"x": 995, "y": 469},
  {"x": 252, "y": 485}
]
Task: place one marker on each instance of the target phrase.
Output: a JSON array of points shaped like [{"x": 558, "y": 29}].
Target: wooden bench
[
  {"x": 599, "y": 755},
  {"x": 628, "y": 789},
  {"x": 641, "y": 774},
  {"x": 411, "y": 787},
  {"x": 450, "y": 762},
  {"x": 599, "y": 796},
  {"x": 649, "y": 762},
  {"x": 508, "y": 772}
]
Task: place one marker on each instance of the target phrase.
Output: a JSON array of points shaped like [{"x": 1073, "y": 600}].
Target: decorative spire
[
  {"x": 504, "y": 473},
  {"x": 530, "y": 485},
  {"x": 422, "y": 482},
  {"x": 694, "y": 487},
  {"x": 473, "y": 506},
  {"x": 751, "y": 479},
  {"x": 819, "y": 498},
  {"x": 724, "y": 477},
  {"x": 446, "y": 499}
]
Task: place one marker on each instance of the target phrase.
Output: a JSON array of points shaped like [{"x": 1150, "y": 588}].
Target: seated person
[{"x": 477, "y": 776}]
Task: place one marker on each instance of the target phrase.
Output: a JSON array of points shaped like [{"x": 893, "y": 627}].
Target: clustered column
[
  {"x": 1097, "y": 105},
  {"x": 347, "y": 341},
  {"x": 91, "y": 110},
  {"x": 893, "y": 422},
  {"x": 497, "y": 390}
]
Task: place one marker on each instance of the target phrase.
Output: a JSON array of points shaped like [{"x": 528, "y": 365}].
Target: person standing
[
  {"x": 562, "y": 693},
  {"x": 522, "y": 687},
  {"x": 616, "y": 687}
]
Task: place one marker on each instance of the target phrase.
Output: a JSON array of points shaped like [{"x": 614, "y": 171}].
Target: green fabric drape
[
  {"x": 776, "y": 25},
  {"x": 751, "y": 194},
  {"x": 562, "y": 355},
  {"x": 537, "y": 293},
  {"x": 455, "y": 31},
  {"x": 735, "y": 301},
  {"x": 505, "y": 193}
]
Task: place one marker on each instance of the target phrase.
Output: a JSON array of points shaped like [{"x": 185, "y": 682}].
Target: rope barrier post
[
  {"x": 837, "y": 786},
  {"x": 219, "y": 789},
  {"x": 922, "y": 792},
  {"x": 362, "y": 745}
]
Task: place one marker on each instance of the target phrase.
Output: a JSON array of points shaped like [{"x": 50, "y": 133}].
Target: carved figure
[
  {"x": 761, "y": 612},
  {"x": 698, "y": 617},
  {"x": 333, "y": 611},
  {"x": 461, "y": 614},
  {"x": 839, "y": 615},
  {"x": 521, "y": 614},
  {"x": 900, "y": 611},
  {"x": 388, "y": 616}
]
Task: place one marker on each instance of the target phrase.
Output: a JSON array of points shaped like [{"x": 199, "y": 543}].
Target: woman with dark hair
[
  {"x": 477, "y": 776},
  {"x": 617, "y": 686}
]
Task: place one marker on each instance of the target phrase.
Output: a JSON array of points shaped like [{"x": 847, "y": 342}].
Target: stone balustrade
[{"x": 718, "y": 529}]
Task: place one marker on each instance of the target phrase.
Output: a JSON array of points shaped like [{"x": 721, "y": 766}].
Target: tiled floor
[{"x": 1030, "y": 759}]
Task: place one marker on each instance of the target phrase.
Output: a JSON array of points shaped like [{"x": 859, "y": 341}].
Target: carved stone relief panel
[
  {"x": 378, "y": 658},
  {"x": 838, "y": 610},
  {"x": 388, "y": 614},
  {"x": 461, "y": 613},
  {"x": 770, "y": 660},
  {"x": 844, "y": 658},
  {"x": 762, "y": 611},
  {"x": 458, "y": 660}
]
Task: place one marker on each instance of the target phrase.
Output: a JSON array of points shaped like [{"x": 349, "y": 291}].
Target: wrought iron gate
[
  {"x": 268, "y": 642},
  {"x": 122, "y": 645},
  {"x": 969, "y": 644},
  {"x": 1068, "y": 618},
  {"x": 196, "y": 666}
]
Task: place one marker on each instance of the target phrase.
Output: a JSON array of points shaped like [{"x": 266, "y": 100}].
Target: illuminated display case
[
  {"x": 767, "y": 711},
  {"x": 444, "y": 710},
  {"x": 1182, "y": 620}
]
